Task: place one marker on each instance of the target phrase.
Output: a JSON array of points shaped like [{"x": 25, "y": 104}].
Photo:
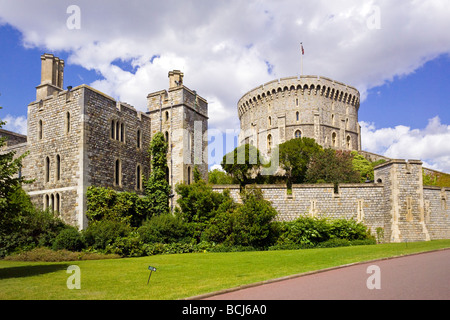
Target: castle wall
[
  {"x": 437, "y": 212},
  {"x": 104, "y": 145},
  {"x": 52, "y": 139},
  {"x": 397, "y": 204},
  {"x": 361, "y": 202}
]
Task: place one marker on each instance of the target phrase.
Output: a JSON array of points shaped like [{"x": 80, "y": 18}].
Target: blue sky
[{"x": 397, "y": 56}]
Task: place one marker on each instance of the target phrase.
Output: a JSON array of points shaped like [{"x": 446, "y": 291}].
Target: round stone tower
[{"x": 307, "y": 106}]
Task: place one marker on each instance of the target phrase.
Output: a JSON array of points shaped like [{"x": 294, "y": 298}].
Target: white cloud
[
  {"x": 15, "y": 124},
  {"x": 224, "y": 48},
  {"x": 431, "y": 145}
]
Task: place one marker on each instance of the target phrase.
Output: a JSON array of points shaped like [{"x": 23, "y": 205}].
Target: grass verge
[{"x": 182, "y": 275}]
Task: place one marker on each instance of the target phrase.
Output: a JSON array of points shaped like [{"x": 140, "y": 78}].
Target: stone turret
[{"x": 52, "y": 76}]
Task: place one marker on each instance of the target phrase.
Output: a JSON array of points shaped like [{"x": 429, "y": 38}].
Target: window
[
  {"x": 189, "y": 175},
  {"x": 138, "y": 139},
  {"x": 46, "y": 202},
  {"x": 270, "y": 121},
  {"x": 296, "y": 102},
  {"x": 113, "y": 129},
  {"x": 68, "y": 122},
  {"x": 117, "y": 130},
  {"x": 47, "y": 169},
  {"x": 58, "y": 203},
  {"x": 298, "y": 134},
  {"x": 269, "y": 143},
  {"x": 40, "y": 128},
  {"x": 297, "y": 116},
  {"x": 58, "y": 167},
  {"x": 52, "y": 202},
  {"x": 349, "y": 142},
  {"x": 166, "y": 136},
  {"x": 167, "y": 115},
  {"x": 138, "y": 177},
  {"x": 332, "y": 120},
  {"x": 118, "y": 173},
  {"x": 333, "y": 139},
  {"x": 122, "y": 132}
]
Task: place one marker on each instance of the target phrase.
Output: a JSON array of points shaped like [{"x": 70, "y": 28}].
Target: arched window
[
  {"x": 269, "y": 143},
  {"x": 58, "y": 203},
  {"x": 349, "y": 142},
  {"x": 297, "y": 116},
  {"x": 58, "y": 167},
  {"x": 138, "y": 139},
  {"x": 52, "y": 202},
  {"x": 40, "y": 130},
  {"x": 47, "y": 169},
  {"x": 68, "y": 122},
  {"x": 46, "y": 202},
  {"x": 138, "y": 177},
  {"x": 189, "y": 175},
  {"x": 113, "y": 129},
  {"x": 333, "y": 139},
  {"x": 298, "y": 134},
  {"x": 118, "y": 173}
]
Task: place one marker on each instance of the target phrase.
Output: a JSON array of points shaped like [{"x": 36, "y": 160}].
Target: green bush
[
  {"x": 108, "y": 204},
  {"x": 100, "y": 234},
  {"x": 68, "y": 239},
  {"x": 251, "y": 222},
  {"x": 348, "y": 229},
  {"x": 304, "y": 232},
  {"x": 165, "y": 228},
  {"x": 127, "y": 246}
]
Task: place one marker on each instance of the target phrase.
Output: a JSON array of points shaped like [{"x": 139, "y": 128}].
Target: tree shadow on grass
[{"x": 29, "y": 271}]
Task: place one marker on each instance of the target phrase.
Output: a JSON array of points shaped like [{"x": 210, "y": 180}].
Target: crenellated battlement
[{"x": 304, "y": 85}]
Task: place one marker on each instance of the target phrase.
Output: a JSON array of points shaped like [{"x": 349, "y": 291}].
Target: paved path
[{"x": 420, "y": 276}]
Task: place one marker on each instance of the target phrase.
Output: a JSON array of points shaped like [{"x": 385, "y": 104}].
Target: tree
[
  {"x": 243, "y": 164},
  {"x": 294, "y": 156},
  {"x": 157, "y": 188},
  {"x": 332, "y": 167},
  {"x": 11, "y": 186},
  {"x": 252, "y": 221},
  {"x": 364, "y": 166},
  {"x": 217, "y": 176}
]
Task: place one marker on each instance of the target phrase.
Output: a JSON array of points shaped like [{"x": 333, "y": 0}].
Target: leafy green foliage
[
  {"x": 332, "y": 166},
  {"x": 69, "y": 239},
  {"x": 243, "y": 164},
  {"x": 157, "y": 188},
  {"x": 108, "y": 204},
  {"x": 217, "y": 176},
  {"x": 294, "y": 156},
  {"x": 252, "y": 221},
  {"x": 165, "y": 228},
  {"x": 364, "y": 166}
]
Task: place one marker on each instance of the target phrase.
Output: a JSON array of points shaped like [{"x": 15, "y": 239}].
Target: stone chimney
[
  {"x": 175, "y": 79},
  {"x": 52, "y": 76}
]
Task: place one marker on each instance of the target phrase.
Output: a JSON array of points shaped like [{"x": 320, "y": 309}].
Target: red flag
[{"x": 303, "y": 51}]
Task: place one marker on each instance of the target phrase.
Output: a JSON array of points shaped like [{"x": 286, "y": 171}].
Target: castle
[{"x": 81, "y": 137}]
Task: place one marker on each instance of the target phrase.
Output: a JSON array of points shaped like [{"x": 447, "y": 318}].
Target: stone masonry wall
[
  {"x": 361, "y": 202},
  {"x": 397, "y": 204}
]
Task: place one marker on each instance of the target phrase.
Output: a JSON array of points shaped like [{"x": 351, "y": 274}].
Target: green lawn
[{"x": 181, "y": 275}]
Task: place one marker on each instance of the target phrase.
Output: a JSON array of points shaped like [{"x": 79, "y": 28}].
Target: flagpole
[{"x": 301, "y": 62}]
